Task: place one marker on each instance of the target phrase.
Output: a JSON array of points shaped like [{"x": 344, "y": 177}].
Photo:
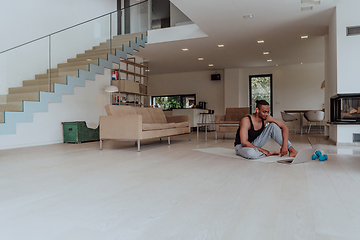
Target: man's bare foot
[
  {"x": 273, "y": 153},
  {"x": 292, "y": 152}
]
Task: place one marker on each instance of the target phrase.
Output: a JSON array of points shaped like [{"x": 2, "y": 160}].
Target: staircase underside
[{"x": 35, "y": 94}]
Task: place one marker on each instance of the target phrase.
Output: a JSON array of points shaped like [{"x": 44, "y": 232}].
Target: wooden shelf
[
  {"x": 130, "y": 72},
  {"x": 134, "y": 63},
  {"x": 140, "y": 94}
]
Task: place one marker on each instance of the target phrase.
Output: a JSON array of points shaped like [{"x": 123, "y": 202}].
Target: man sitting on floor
[{"x": 252, "y": 134}]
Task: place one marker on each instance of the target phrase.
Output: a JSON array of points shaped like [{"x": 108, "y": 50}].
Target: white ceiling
[{"x": 279, "y": 22}]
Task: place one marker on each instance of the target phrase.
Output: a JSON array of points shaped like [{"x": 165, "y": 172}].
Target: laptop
[{"x": 303, "y": 155}]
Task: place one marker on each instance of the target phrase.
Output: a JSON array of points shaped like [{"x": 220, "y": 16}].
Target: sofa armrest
[
  {"x": 127, "y": 127},
  {"x": 177, "y": 119}
]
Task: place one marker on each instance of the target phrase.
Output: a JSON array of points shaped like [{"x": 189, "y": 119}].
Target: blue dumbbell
[
  {"x": 326, "y": 157},
  {"x": 318, "y": 153},
  {"x": 322, "y": 158},
  {"x": 314, "y": 157}
]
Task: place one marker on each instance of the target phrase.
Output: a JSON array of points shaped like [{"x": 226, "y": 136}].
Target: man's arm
[
  {"x": 244, "y": 128},
  {"x": 285, "y": 134}
]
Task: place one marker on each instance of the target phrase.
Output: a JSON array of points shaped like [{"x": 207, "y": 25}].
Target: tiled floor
[{"x": 69, "y": 191}]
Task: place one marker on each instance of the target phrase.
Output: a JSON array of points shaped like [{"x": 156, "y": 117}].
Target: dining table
[{"x": 301, "y": 112}]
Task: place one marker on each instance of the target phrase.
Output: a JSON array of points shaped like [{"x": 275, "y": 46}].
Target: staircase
[{"x": 34, "y": 95}]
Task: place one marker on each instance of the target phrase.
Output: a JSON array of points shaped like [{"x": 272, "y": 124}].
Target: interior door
[{"x": 260, "y": 89}]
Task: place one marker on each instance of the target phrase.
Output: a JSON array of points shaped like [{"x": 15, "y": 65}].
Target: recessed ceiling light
[
  {"x": 200, "y": 59},
  {"x": 266, "y": 53},
  {"x": 147, "y": 70},
  {"x": 277, "y": 65},
  {"x": 305, "y": 36},
  {"x": 185, "y": 49},
  {"x": 269, "y": 60},
  {"x": 261, "y": 41},
  {"x": 210, "y": 65},
  {"x": 247, "y": 16},
  {"x": 221, "y": 45},
  {"x": 307, "y": 8},
  {"x": 311, "y": 2}
]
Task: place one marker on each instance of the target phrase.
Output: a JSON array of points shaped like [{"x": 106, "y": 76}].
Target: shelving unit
[{"x": 131, "y": 80}]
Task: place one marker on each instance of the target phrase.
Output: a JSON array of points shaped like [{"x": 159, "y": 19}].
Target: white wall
[
  {"x": 176, "y": 16},
  {"x": 87, "y": 104},
  {"x": 344, "y": 62},
  {"x": 23, "y": 21},
  {"x": 199, "y": 83},
  {"x": 231, "y": 88},
  {"x": 294, "y": 87},
  {"x": 348, "y": 47}
]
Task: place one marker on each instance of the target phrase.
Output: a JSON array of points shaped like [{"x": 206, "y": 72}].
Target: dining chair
[
  {"x": 314, "y": 116},
  {"x": 288, "y": 118}
]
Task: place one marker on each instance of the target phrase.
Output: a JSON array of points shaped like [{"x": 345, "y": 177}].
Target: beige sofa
[
  {"x": 136, "y": 123},
  {"x": 232, "y": 115}
]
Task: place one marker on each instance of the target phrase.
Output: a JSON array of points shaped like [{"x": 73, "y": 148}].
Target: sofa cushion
[
  {"x": 157, "y": 115},
  {"x": 145, "y": 113},
  {"x": 117, "y": 110},
  {"x": 157, "y": 126},
  {"x": 181, "y": 124}
]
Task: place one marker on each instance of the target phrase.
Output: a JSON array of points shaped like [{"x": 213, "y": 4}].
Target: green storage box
[{"x": 77, "y": 132}]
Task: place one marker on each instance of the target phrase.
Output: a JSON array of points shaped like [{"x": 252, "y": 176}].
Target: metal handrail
[{"x": 49, "y": 35}]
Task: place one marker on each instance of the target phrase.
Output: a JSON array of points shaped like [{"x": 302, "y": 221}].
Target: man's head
[{"x": 262, "y": 109}]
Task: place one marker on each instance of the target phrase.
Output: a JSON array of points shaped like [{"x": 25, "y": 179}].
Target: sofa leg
[
  {"x": 169, "y": 140},
  {"x": 223, "y": 135},
  {"x": 100, "y": 144},
  {"x": 189, "y": 136},
  {"x": 138, "y": 143}
]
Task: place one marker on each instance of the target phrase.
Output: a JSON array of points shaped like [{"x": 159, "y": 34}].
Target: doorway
[{"x": 260, "y": 88}]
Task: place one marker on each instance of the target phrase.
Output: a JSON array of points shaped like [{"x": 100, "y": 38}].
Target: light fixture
[
  {"x": 260, "y": 41},
  {"x": 311, "y": 2},
  {"x": 185, "y": 49},
  {"x": 301, "y": 63},
  {"x": 266, "y": 53},
  {"x": 221, "y": 45},
  {"x": 307, "y": 8},
  {"x": 247, "y": 16},
  {"x": 210, "y": 65},
  {"x": 147, "y": 70},
  {"x": 89, "y": 59},
  {"x": 304, "y": 36},
  {"x": 277, "y": 65},
  {"x": 200, "y": 59},
  {"x": 111, "y": 88},
  {"x": 269, "y": 60},
  {"x": 323, "y": 85}
]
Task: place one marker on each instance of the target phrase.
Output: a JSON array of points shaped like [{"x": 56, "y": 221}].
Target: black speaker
[{"x": 215, "y": 77}]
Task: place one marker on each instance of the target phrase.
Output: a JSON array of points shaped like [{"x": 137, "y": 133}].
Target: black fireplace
[{"x": 345, "y": 109}]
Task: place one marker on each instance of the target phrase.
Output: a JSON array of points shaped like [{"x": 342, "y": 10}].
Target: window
[
  {"x": 260, "y": 89},
  {"x": 168, "y": 102}
]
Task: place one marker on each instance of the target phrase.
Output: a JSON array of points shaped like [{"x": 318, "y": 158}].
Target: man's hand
[{"x": 283, "y": 151}]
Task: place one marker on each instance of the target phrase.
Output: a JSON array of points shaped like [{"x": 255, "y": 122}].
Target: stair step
[
  {"x": 61, "y": 80},
  {"x": 12, "y": 107},
  {"x": 34, "y": 96},
  {"x": 70, "y": 68},
  {"x": 105, "y": 46},
  {"x": 80, "y": 62},
  {"x": 92, "y": 55},
  {"x": 29, "y": 89},
  {"x": 57, "y": 74},
  {"x": 2, "y": 117},
  {"x": 84, "y": 58}
]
